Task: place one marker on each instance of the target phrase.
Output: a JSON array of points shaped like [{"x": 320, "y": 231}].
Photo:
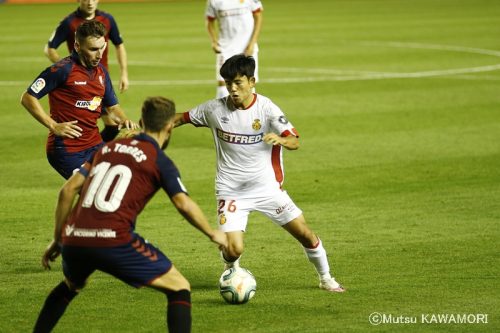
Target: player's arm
[
  {"x": 180, "y": 119},
  {"x": 212, "y": 33},
  {"x": 290, "y": 142},
  {"x": 118, "y": 115},
  {"x": 65, "y": 201},
  {"x": 193, "y": 214},
  {"x": 257, "y": 17},
  {"x": 68, "y": 129},
  {"x": 121, "y": 56},
  {"x": 52, "y": 54}
]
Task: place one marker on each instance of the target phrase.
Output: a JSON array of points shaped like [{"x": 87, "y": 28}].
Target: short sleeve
[
  {"x": 51, "y": 78},
  {"x": 279, "y": 123}
]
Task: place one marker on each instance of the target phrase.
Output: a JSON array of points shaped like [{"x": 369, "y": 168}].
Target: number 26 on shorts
[{"x": 231, "y": 206}]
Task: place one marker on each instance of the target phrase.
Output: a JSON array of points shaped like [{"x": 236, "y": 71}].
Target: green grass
[{"x": 398, "y": 172}]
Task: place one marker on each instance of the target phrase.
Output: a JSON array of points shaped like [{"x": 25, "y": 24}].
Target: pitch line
[{"x": 342, "y": 75}]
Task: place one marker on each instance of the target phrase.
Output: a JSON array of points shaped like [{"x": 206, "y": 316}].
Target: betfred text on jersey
[{"x": 242, "y": 139}]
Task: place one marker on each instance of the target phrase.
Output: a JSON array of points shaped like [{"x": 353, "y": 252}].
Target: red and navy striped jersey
[
  {"x": 75, "y": 93},
  {"x": 65, "y": 31},
  {"x": 122, "y": 177}
]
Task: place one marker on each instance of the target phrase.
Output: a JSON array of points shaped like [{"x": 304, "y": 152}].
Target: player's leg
[
  {"x": 76, "y": 273},
  {"x": 139, "y": 264},
  {"x": 221, "y": 85},
  {"x": 110, "y": 129},
  {"x": 231, "y": 255},
  {"x": 281, "y": 209},
  {"x": 315, "y": 252},
  {"x": 255, "y": 56},
  {"x": 178, "y": 292},
  {"x": 232, "y": 216}
]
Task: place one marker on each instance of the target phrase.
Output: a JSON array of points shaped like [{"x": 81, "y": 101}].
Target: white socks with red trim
[{"x": 317, "y": 256}]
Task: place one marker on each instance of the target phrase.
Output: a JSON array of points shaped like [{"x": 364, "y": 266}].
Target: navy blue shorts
[
  {"x": 137, "y": 263},
  {"x": 65, "y": 163}
]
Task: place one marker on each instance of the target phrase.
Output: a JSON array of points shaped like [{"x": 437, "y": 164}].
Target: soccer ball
[{"x": 237, "y": 285}]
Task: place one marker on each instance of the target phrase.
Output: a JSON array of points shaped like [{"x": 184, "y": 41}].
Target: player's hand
[
  {"x": 68, "y": 129},
  {"x": 123, "y": 84},
  {"x": 248, "y": 50},
  {"x": 129, "y": 124},
  {"x": 220, "y": 238},
  {"x": 216, "y": 47},
  {"x": 51, "y": 253},
  {"x": 273, "y": 139}
]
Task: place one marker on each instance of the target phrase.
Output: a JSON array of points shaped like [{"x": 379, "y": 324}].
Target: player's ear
[
  {"x": 77, "y": 46},
  {"x": 251, "y": 80}
]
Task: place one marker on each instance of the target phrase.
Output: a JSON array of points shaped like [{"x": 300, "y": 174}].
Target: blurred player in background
[
  {"x": 98, "y": 232},
  {"x": 65, "y": 32},
  {"x": 249, "y": 131},
  {"x": 239, "y": 25},
  {"x": 78, "y": 87}
]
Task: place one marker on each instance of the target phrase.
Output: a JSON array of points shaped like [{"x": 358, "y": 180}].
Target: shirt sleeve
[
  {"x": 114, "y": 32},
  {"x": 51, "y": 78},
  {"x": 279, "y": 123},
  {"x": 60, "y": 35},
  {"x": 210, "y": 11},
  {"x": 198, "y": 116},
  {"x": 170, "y": 178},
  {"x": 256, "y": 6},
  {"x": 110, "y": 98}
]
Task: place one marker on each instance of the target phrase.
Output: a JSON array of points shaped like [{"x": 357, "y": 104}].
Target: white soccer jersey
[
  {"x": 247, "y": 167},
  {"x": 235, "y": 23}
]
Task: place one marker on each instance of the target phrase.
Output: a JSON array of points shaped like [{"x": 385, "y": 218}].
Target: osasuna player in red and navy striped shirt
[
  {"x": 78, "y": 87},
  {"x": 65, "y": 32},
  {"x": 98, "y": 232}
]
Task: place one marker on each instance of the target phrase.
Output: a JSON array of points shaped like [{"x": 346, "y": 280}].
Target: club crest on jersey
[
  {"x": 256, "y": 124},
  {"x": 89, "y": 105}
]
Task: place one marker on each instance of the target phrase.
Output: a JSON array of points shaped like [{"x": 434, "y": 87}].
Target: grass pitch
[{"x": 397, "y": 106}]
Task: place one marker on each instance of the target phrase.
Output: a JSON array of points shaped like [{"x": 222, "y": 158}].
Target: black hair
[
  {"x": 157, "y": 112},
  {"x": 239, "y": 64}
]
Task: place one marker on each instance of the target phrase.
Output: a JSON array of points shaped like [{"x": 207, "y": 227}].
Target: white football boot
[{"x": 329, "y": 284}]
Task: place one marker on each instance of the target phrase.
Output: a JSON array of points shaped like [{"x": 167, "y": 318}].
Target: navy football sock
[
  {"x": 54, "y": 308},
  {"x": 179, "y": 311}
]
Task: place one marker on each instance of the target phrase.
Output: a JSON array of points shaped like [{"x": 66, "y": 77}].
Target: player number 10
[{"x": 103, "y": 177}]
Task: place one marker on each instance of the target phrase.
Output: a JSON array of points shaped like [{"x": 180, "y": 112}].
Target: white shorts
[
  {"x": 232, "y": 214},
  {"x": 221, "y": 58}
]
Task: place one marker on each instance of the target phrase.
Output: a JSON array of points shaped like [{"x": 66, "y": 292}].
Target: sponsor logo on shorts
[
  {"x": 281, "y": 209},
  {"x": 240, "y": 139}
]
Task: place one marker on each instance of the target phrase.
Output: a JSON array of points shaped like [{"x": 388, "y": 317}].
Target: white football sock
[
  {"x": 221, "y": 92},
  {"x": 317, "y": 256}
]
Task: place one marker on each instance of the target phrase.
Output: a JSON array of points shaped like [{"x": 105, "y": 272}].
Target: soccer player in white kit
[
  {"x": 239, "y": 25},
  {"x": 249, "y": 132}
]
